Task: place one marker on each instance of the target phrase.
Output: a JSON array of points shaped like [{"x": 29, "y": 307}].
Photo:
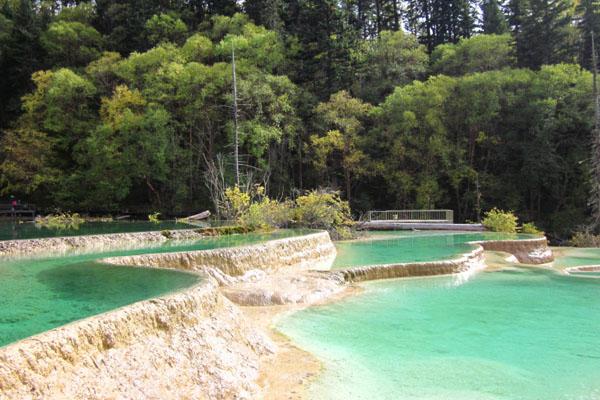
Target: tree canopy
[{"x": 127, "y": 105}]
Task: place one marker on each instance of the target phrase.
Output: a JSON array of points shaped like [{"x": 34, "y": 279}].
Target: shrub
[
  {"x": 324, "y": 210},
  {"x": 267, "y": 214},
  {"x": 60, "y": 221},
  {"x": 154, "y": 217},
  {"x": 253, "y": 210},
  {"x": 223, "y": 230},
  {"x": 585, "y": 239},
  {"x": 531, "y": 229},
  {"x": 500, "y": 221},
  {"x": 237, "y": 203}
]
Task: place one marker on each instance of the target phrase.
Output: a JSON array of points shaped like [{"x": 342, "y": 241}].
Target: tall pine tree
[
  {"x": 542, "y": 32},
  {"x": 493, "y": 19},
  {"x": 326, "y": 39},
  {"x": 588, "y": 22},
  {"x": 21, "y": 54},
  {"x": 265, "y": 12},
  {"x": 440, "y": 21}
]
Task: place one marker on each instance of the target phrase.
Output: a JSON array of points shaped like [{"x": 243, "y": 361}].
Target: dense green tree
[
  {"x": 124, "y": 21},
  {"x": 28, "y": 156},
  {"x": 325, "y": 39},
  {"x": 164, "y": 114},
  {"x": 61, "y": 106},
  {"x": 149, "y": 122},
  {"x": 130, "y": 129},
  {"x": 393, "y": 59},
  {"x": 413, "y": 140},
  {"x": 83, "y": 12},
  {"x": 71, "y": 43},
  {"x": 493, "y": 20},
  {"x": 544, "y": 33},
  {"x": 440, "y": 21},
  {"x": 165, "y": 28},
  {"x": 6, "y": 27},
  {"x": 477, "y": 54},
  {"x": 265, "y": 12},
  {"x": 520, "y": 134},
  {"x": 371, "y": 17},
  {"x": 589, "y": 23},
  {"x": 21, "y": 53},
  {"x": 338, "y": 150}
]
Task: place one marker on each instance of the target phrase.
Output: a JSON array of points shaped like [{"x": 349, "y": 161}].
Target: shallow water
[
  {"x": 12, "y": 230},
  {"x": 43, "y": 293},
  {"x": 403, "y": 246},
  {"x": 517, "y": 334},
  {"x": 576, "y": 257}
]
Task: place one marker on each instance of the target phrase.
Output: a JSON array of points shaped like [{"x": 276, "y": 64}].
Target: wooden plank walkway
[{"x": 20, "y": 211}]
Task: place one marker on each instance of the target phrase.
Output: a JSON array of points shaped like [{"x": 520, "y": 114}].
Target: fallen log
[{"x": 199, "y": 216}]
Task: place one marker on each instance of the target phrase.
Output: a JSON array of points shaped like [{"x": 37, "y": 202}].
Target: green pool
[
  {"x": 38, "y": 294},
  {"x": 401, "y": 246},
  {"x": 516, "y": 334},
  {"x": 12, "y": 230},
  {"x": 577, "y": 257}
]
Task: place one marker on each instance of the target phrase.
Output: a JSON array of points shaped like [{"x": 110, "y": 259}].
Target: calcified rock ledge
[
  {"x": 197, "y": 343},
  {"x": 312, "y": 251},
  {"x": 527, "y": 251},
  {"x": 585, "y": 268},
  {"x": 271, "y": 273},
  {"x": 194, "y": 344},
  {"x": 58, "y": 245},
  {"x": 468, "y": 262},
  {"x": 191, "y": 344}
]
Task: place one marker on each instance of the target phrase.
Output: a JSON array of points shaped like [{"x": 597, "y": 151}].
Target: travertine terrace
[{"x": 197, "y": 343}]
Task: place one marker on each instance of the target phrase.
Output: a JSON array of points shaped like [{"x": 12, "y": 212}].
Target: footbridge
[{"x": 414, "y": 220}]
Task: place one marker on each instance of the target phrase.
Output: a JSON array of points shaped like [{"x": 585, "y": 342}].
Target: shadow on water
[{"x": 110, "y": 285}]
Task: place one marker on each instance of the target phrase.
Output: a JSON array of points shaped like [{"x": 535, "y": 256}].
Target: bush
[
  {"x": 500, "y": 221},
  {"x": 237, "y": 203},
  {"x": 60, "y": 221},
  {"x": 531, "y": 229},
  {"x": 154, "y": 217},
  {"x": 223, "y": 230},
  {"x": 267, "y": 214},
  {"x": 324, "y": 210},
  {"x": 316, "y": 209},
  {"x": 585, "y": 239}
]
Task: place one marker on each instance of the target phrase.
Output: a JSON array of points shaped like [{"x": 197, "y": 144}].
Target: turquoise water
[
  {"x": 46, "y": 294},
  {"x": 517, "y": 334},
  {"x": 38, "y": 294},
  {"x": 576, "y": 257},
  {"x": 29, "y": 230},
  {"x": 592, "y": 274},
  {"x": 402, "y": 246}
]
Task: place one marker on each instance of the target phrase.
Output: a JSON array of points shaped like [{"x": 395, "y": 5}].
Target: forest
[{"x": 128, "y": 105}]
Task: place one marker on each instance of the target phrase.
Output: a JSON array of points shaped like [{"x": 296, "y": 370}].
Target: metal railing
[{"x": 414, "y": 216}]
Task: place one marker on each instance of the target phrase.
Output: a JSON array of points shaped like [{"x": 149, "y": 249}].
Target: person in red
[{"x": 13, "y": 204}]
